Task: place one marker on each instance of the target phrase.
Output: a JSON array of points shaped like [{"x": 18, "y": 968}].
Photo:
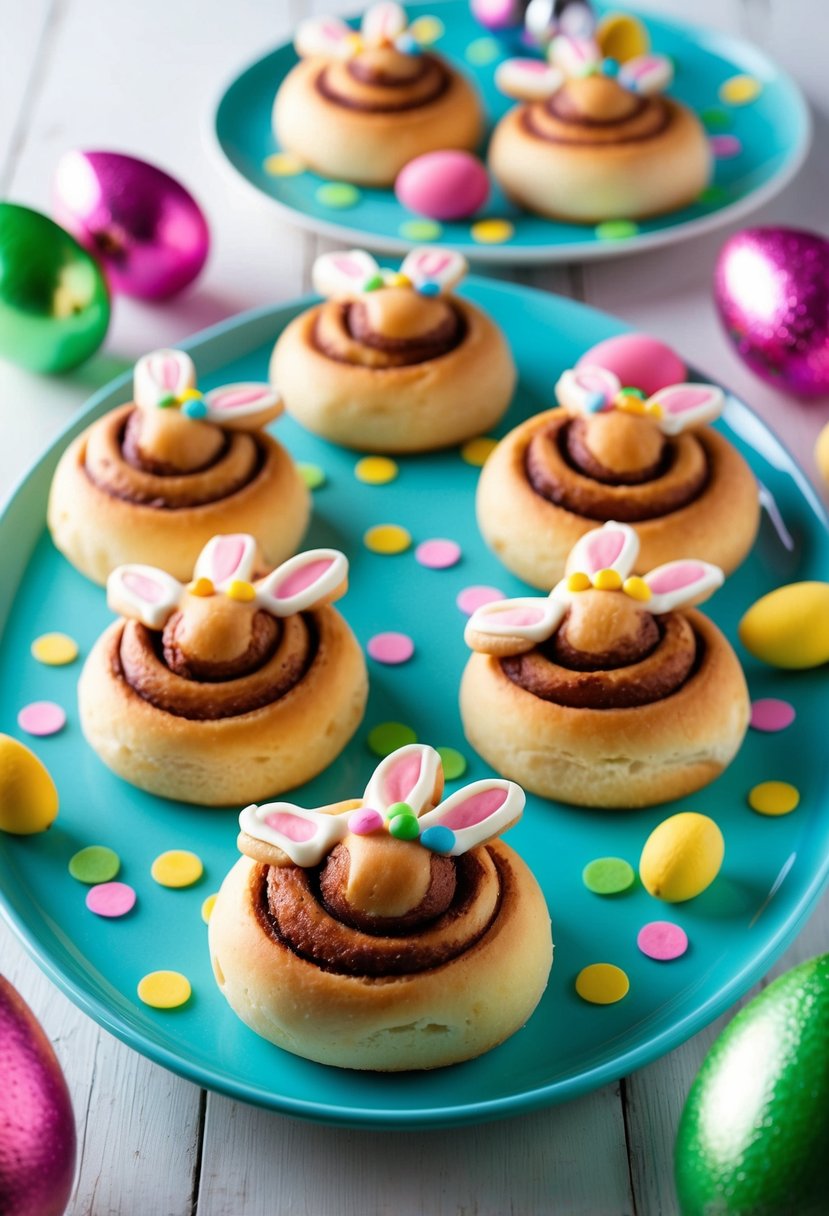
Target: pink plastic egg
[
  {"x": 639, "y": 361},
  {"x": 145, "y": 229},
  {"x": 443, "y": 185}
]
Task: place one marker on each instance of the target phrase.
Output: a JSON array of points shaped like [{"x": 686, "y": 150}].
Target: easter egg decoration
[
  {"x": 789, "y": 627},
  {"x": 682, "y": 857},
  {"x": 146, "y": 230},
  {"x": 447, "y": 185},
  {"x": 28, "y": 796},
  {"x": 499, "y": 14},
  {"x": 754, "y": 1134},
  {"x": 54, "y": 304},
  {"x": 638, "y": 360},
  {"x": 37, "y": 1129}
]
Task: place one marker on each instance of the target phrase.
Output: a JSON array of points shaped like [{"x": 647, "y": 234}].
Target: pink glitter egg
[
  {"x": 639, "y": 361},
  {"x": 443, "y": 185}
]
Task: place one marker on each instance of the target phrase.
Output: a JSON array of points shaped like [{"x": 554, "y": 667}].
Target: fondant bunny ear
[
  {"x": 646, "y": 74},
  {"x": 227, "y": 559},
  {"x": 324, "y": 36},
  {"x": 345, "y": 273},
  {"x": 528, "y": 79},
  {"x": 473, "y": 815},
  {"x": 243, "y": 407},
  {"x": 574, "y": 56},
  {"x": 430, "y": 265},
  {"x": 383, "y": 23},
  {"x": 308, "y": 580},
  {"x": 306, "y": 836},
  {"x": 143, "y": 594},
  {"x": 513, "y": 626},
  {"x": 611, "y": 547},
  {"x": 163, "y": 374},
  {"x": 413, "y": 774},
  {"x": 683, "y": 406},
  {"x": 578, "y": 21},
  {"x": 680, "y": 584},
  {"x": 587, "y": 389}
]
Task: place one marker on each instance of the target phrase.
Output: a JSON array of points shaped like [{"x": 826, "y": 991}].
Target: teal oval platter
[
  {"x": 758, "y": 147},
  {"x": 774, "y": 869}
]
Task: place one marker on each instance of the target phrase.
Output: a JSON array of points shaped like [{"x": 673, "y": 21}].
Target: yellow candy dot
[
  {"x": 284, "y": 164},
  {"x": 578, "y": 581},
  {"x": 177, "y": 868},
  {"x": 477, "y": 451},
  {"x": 201, "y": 586},
  {"x": 398, "y": 280},
  {"x": 653, "y": 410},
  {"x": 376, "y": 470},
  {"x": 637, "y": 589},
  {"x": 622, "y": 37},
  {"x": 773, "y": 798},
  {"x": 207, "y": 907},
  {"x": 387, "y": 538},
  {"x": 190, "y": 394},
  {"x": 630, "y": 403},
  {"x": 607, "y": 580},
  {"x": 55, "y": 649},
  {"x": 427, "y": 30},
  {"x": 740, "y": 90},
  {"x": 164, "y": 989},
  {"x": 491, "y": 232},
  {"x": 602, "y": 984},
  {"x": 242, "y": 591}
]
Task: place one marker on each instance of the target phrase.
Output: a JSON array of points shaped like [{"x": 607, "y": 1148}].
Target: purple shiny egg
[
  {"x": 145, "y": 229},
  {"x": 771, "y": 288},
  {"x": 499, "y": 14}
]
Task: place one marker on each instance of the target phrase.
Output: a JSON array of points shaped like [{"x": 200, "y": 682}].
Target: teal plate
[
  {"x": 774, "y": 868},
  {"x": 762, "y": 143}
]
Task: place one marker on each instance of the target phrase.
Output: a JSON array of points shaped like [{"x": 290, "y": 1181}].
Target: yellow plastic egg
[
  {"x": 822, "y": 453},
  {"x": 789, "y": 627},
  {"x": 28, "y": 795},
  {"x": 682, "y": 856}
]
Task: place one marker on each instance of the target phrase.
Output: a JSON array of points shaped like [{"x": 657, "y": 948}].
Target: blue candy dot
[
  {"x": 595, "y": 402},
  {"x": 610, "y": 67},
  {"x": 429, "y": 289},
  {"x": 438, "y": 838},
  {"x": 194, "y": 408}
]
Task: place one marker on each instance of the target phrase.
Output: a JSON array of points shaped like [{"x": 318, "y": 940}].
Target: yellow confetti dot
[
  {"x": 773, "y": 798},
  {"x": 622, "y": 37},
  {"x": 577, "y": 581},
  {"x": 427, "y": 30},
  {"x": 387, "y": 538},
  {"x": 242, "y": 591},
  {"x": 478, "y": 451},
  {"x": 602, "y": 984},
  {"x": 740, "y": 90},
  {"x": 376, "y": 470},
  {"x": 164, "y": 989},
  {"x": 207, "y": 907},
  {"x": 607, "y": 580},
  {"x": 55, "y": 649},
  {"x": 177, "y": 868},
  {"x": 284, "y": 164},
  {"x": 637, "y": 589},
  {"x": 491, "y": 232},
  {"x": 201, "y": 587}
]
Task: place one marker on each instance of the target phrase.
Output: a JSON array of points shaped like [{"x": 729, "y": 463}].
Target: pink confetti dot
[
  {"x": 110, "y": 899},
  {"x": 475, "y": 597},
  {"x": 390, "y": 648},
  {"x": 725, "y": 147},
  {"x": 41, "y": 718},
  {"x": 438, "y": 554},
  {"x": 768, "y": 714},
  {"x": 662, "y": 940}
]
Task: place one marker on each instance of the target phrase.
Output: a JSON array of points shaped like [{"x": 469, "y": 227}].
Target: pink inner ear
[
  {"x": 236, "y": 397},
  {"x": 166, "y": 371},
  {"x": 518, "y": 616},
  {"x": 293, "y": 826},
  {"x": 333, "y": 31},
  {"x": 298, "y": 580},
  {"x": 143, "y": 587},
  {"x": 678, "y": 400},
  {"x": 403, "y": 777},
  {"x": 475, "y": 809},
  {"x": 226, "y": 557},
  {"x": 431, "y": 264},
  {"x": 676, "y": 578},
  {"x": 593, "y": 382},
  {"x": 349, "y": 266},
  {"x": 603, "y": 550},
  {"x": 533, "y": 67}
]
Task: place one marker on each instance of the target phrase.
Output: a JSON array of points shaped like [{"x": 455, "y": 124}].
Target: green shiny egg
[{"x": 54, "y": 303}]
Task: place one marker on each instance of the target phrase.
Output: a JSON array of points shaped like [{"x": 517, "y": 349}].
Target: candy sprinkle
[
  {"x": 390, "y": 648},
  {"x": 387, "y": 539},
  {"x": 41, "y": 718},
  {"x": 453, "y": 761},
  {"x": 421, "y": 230},
  {"x": 177, "y": 868},
  {"x": 164, "y": 989},
  {"x": 769, "y": 715},
  {"x": 313, "y": 476},
  {"x": 608, "y": 876},
  {"x": 740, "y": 90},
  {"x": 438, "y": 554},
  {"x": 338, "y": 195},
  {"x": 773, "y": 798},
  {"x": 207, "y": 907},
  {"x": 376, "y": 470},
  {"x": 478, "y": 451},
  {"x": 491, "y": 232},
  {"x": 715, "y": 120},
  {"x": 55, "y": 649},
  {"x": 386, "y": 737},
  {"x": 663, "y": 941},
  {"x": 476, "y": 596},
  {"x": 725, "y": 147},
  {"x": 427, "y": 30},
  {"x": 482, "y": 51},
  {"x": 94, "y": 864},
  {"x": 602, "y": 984},
  {"x": 284, "y": 164},
  {"x": 616, "y": 230},
  {"x": 111, "y": 899},
  {"x": 713, "y": 196}
]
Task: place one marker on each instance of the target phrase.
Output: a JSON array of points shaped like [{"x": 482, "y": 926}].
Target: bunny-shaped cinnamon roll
[
  {"x": 611, "y": 692},
  {"x": 359, "y": 106},
  {"x": 392, "y": 361},
  {"x": 153, "y": 480},
  {"x": 389, "y": 932},
  {"x": 226, "y": 689}
]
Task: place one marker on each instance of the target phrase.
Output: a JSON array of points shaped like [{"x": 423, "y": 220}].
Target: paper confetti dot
[
  {"x": 427, "y": 30},
  {"x": 438, "y": 554},
  {"x": 725, "y": 147},
  {"x": 482, "y": 51},
  {"x": 111, "y": 899},
  {"x": 387, "y": 538},
  {"x": 608, "y": 875},
  {"x": 55, "y": 649},
  {"x": 376, "y": 470},
  {"x": 177, "y": 868},
  {"x": 662, "y": 940},
  {"x": 713, "y": 196},
  {"x": 386, "y": 737},
  {"x": 94, "y": 864},
  {"x": 338, "y": 195},
  {"x": 421, "y": 230},
  {"x": 476, "y": 596},
  {"x": 769, "y": 714},
  {"x": 207, "y": 907},
  {"x": 773, "y": 798},
  {"x": 477, "y": 451},
  {"x": 164, "y": 989},
  {"x": 284, "y": 164},
  {"x": 41, "y": 718},
  {"x": 740, "y": 90},
  {"x": 715, "y": 120},
  {"x": 616, "y": 230},
  {"x": 453, "y": 761},
  {"x": 602, "y": 984},
  {"x": 491, "y": 232},
  {"x": 313, "y": 476},
  {"x": 390, "y": 648}
]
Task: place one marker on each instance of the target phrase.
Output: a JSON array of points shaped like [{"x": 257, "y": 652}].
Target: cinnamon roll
[
  {"x": 358, "y": 107},
  {"x": 227, "y": 689},
  {"x": 154, "y": 480},
  {"x": 392, "y": 361},
  {"x": 612, "y": 692},
  {"x": 389, "y": 933}
]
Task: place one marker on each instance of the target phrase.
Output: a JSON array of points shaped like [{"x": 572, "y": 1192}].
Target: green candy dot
[
  {"x": 404, "y": 827},
  {"x": 398, "y": 808},
  {"x": 633, "y": 392},
  {"x": 608, "y": 876},
  {"x": 482, "y": 51},
  {"x": 388, "y": 736},
  {"x": 374, "y": 283},
  {"x": 616, "y": 230},
  {"x": 338, "y": 194},
  {"x": 454, "y": 763},
  {"x": 313, "y": 476},
  {"x": 421, "y": 230},
  {"x": 94, "y": 864},
  {"x": 167, "y": 402},
  {"x": 716, "y": 120}
]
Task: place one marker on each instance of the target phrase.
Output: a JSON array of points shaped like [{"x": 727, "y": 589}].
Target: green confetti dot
[
  {"x": 608, "y": 876},
  {"x": 313, "y": 476},
  {"x": 421, "y": 230},
  {"x": 338, "y": 194},
  {"x": 616, "y": 230},
  {"x": 482, "y": 51},
  {"x": 404, "y": 827},
  {"x": 454, "y": 762},
  {"x": 713, "y": 196},
  {"x": 386, "y": 737},
  {"x": 94, "y": 864},
  {"x": 715, "y": 120}
]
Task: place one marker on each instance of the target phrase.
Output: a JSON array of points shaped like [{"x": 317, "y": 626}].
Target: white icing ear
[
  {"x": 144, "y": 594},
  {"x": 577, "y": 21},
  {"x": 163, "y": 373},
  {"x": 588, "y": 389},
  {"x": 646, "y": 74},
  {"x": 476, "y": 813},
  {"x": 524, "y": 622},
  {"x": 324, "y": 36},
  {"x": 344, "y": 273},
  {"x": 306, "y": 581},
  {"x": 306, "y": 836},
  {"x": 574, "y": 56},
  {"x": 432, "y": 265},
  {"x": 383, "y": 23},
  {"x": 684, "y": 406},
  {"x": 611, "y": 547},
  {"x": 412, "y": 775},
  {"x": 226, "y": 559},
  {"x": 243, "y": 407},
  {"x": 528, "y": 79},
  {"x": 680, "y": 584}
]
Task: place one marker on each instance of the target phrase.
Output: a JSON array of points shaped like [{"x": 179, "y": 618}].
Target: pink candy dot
[
  {"x": 110, "y": 899},
  {"x": 475, "y": 597},
  {"x": 438, "y": 554},
  {"x": 662, "y": 940},
  {"x": 41, "y": 718},
  {"x": 725, "y": 147},
  {"x": 390, "y": 648},
  {"x": 768, "y": 714},
  {"x": 364, "y": 821}
]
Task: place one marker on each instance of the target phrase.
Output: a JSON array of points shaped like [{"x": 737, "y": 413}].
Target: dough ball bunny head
[
  {"x": 384, "y": 26},
  {"x": 352, "y": 274}
]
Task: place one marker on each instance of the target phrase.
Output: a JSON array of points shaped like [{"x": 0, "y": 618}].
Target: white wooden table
[{"x": 141, "y": 77}]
